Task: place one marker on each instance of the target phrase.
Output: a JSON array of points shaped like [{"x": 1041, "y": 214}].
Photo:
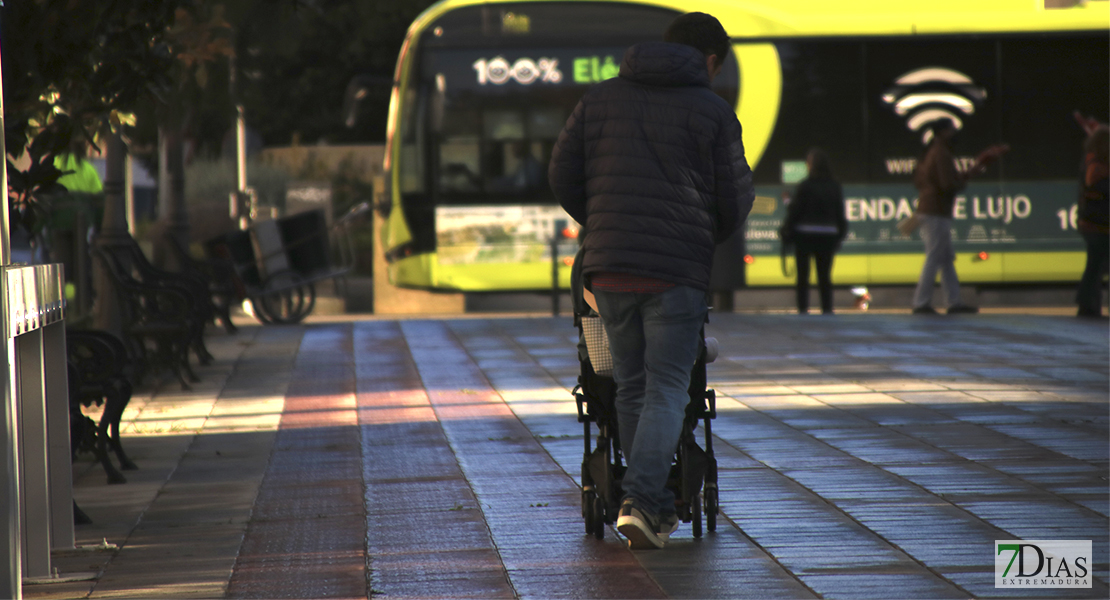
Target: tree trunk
[
  {"x": 172, "y": 213},
  {"x": 107, "y": 310}
]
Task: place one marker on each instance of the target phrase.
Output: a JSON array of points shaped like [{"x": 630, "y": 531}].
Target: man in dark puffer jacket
[{"x": 652, "y": 163}]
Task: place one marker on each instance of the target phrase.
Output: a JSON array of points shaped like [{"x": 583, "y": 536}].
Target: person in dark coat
[
  {"x": 817, "y": 224},
  {"x": 1094, "y": 219},
  {"x": 652, "y": 164}
]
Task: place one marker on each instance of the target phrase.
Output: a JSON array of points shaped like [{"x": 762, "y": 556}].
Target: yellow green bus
[{"x": 483, "y": 88}]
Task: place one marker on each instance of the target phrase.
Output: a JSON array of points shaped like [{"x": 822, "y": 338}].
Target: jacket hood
[{"x": 665, "y": 64}]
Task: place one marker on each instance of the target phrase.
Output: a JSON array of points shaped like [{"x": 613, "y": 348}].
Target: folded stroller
[{"x": 602, "y": 463}]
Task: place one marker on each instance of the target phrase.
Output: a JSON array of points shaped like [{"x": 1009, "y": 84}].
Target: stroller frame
[{"x": 693, "y": 476}]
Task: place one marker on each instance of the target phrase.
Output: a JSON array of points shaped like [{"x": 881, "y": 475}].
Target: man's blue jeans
[
  {"x": 655, "y": 340},
  {"x": 936, "y": 232}
]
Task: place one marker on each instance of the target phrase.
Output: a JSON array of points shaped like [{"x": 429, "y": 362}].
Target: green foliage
[
  {"x": 73, "y": 68},
  {"x": 297, "y": 61},
  {"x": 76, "y": 69}
]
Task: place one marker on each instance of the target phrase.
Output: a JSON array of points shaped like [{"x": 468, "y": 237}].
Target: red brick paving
[{"x": 307, "y": 534}]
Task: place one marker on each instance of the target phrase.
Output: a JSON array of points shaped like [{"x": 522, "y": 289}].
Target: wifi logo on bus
[{"x": 933, "y": 93}]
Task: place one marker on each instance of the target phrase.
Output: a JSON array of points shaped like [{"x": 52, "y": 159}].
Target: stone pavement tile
[
  {"x": 442, "y": 574},
  {"x": 1072, "y": 374},
  {"x": 329, "y": 574},
  {"x": 882, "y": 585},
  {"x": 988, "y": 413},
  {"x": 975, "y": 443},
  {"x": 527, "y": 537},
  {"x": 1006, "y": 373},
  {"x": 573, "y": 584},
  {"x": 907, "y": 384},
  {"x": 880, "y": 408},
  {"x": 166, "y": 506},
  {"x": 940, "y": 372},
  {"x": 119, "y": 506},
  {"x": 199, "y": 503},
  {"x": 315, "y": 545},
  {"x": 425, "y": 534},
  {"x": 803, "y": 530},
  {"x": 172, "y": 561},
  {"x": 926, "y": 518},
  {"x": 299, "y": 499},
  {"x": 984, "y": 385},
  {"x": 863, "y": 482},
  {"x": 741, "y": 390},
  {"x": 876, "y": 351},
  {"x": 831, "y": 389},
  {"x": 413, "y": 452},
  {"x": 414, "y": 533},
  {"x": 1021, "y": 516},
  {"x": 460, "y": 585},
  {"x": 938, "y": 400},
  {"x": 882, "y": 446},
  {"x": 737, "y": 581},
  {"x": 784, "y": 448},
  {"x": 962, "y": 479},
  {"x": 1083, "y": 483},
  {"x": 1065, "y": 439},
  {"x": 804, "y": 413},
  {"x": 438, "y": 494},
  {"x": 982, "y": 585}
]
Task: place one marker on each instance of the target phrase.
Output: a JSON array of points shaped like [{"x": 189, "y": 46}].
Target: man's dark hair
[
  {"x": 940, "y": 126},
  {"x": 701, "y": 31},
  {"x": 819, "y": 164}
]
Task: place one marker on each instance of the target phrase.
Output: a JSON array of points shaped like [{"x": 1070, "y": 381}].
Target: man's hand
[
  {"x": 989, "y": 156},
  {"x": 1089, "y": 124}
]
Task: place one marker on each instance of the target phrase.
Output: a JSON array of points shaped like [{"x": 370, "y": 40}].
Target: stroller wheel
[
  {"x": 711, "y": 506},
  {"x": 599, "y": 517},
  {"x": 588, "y": 507},
  {"x": 695, "y": 517}
]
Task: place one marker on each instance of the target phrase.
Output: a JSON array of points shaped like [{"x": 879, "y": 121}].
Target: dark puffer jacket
[{"x": 652, "y": 164}]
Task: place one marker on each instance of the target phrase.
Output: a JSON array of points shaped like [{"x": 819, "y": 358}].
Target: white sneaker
[
  {"x": 668, "y": 525},
  {"x": 639, "y": 527}
]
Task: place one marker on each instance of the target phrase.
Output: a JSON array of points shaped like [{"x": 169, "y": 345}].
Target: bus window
[
  {"x": 521, "y": 168},
  {"x": 546, "y": 123},
  {"x": 504, "y": 125},
  {"x": 460, "y": 152},
  {"x": 411, "y": 165},
  {"x": 460, "y": 164}
]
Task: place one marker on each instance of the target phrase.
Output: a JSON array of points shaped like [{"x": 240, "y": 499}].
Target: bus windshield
[
  {"x": 496, "y": 114},
  {"x": 488, "y": 92},
  {"x": 494, "y": 86}
]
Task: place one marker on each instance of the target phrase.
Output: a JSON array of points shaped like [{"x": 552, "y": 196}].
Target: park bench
[
  {"x": 224, "y": 289},
  {"x": 98, "y": 363},
  {"x": 196, "y": 288},
  {"x": 159, "y": 321}
]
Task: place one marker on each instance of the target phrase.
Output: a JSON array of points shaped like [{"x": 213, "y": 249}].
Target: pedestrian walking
[
  {"x": 938, "y": 181},
  {"x": 1093, "y": 219},
  {"x": 652, "y": 163},
  {"x": 816, "y": 224}
]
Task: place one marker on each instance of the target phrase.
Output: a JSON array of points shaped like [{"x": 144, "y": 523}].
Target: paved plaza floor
[{"x": 861, "y": 456}]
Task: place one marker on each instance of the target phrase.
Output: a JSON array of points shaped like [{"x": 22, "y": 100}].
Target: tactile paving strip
[{"x": 306, "y": 538}]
